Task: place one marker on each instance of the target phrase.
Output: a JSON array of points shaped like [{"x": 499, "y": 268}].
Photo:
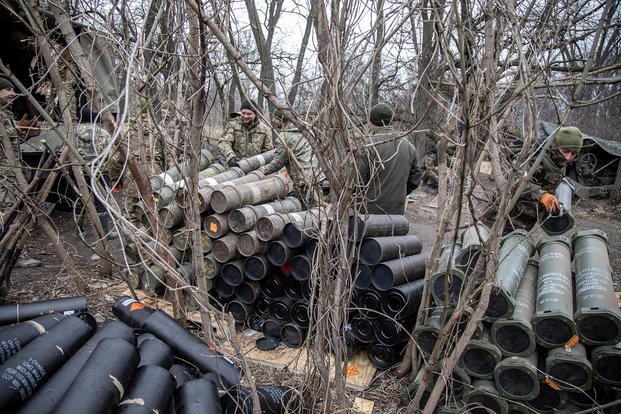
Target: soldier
[
  {"x": 245, "y": 137},
  {"x": 430, "y": 172},
  {"x": 390, "y": 169},
  {"x": 10, "y": 153},
  {"x": 294, "y": 152},
  {"x": 566, "y": 145},
  {"x": 91, "y": 140}
]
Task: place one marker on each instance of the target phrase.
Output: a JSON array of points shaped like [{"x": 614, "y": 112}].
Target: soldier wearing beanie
[
  {"x": 389, "y": 170},
  {"x": 539, "y": 196},
  {"x": 244, "y": 136},
  {"x": 293, "y": 151}
]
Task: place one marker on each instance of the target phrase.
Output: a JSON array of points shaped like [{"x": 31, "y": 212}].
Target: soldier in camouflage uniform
[
  {"x": 91, "y": 141},
  {"x": 245, "y": 137},
  {"x": 430, "y": 172},
  {"x": 294, "y": 152},
  {"x": 10, "y": 153},
  {"x": 538, "y": 194}
]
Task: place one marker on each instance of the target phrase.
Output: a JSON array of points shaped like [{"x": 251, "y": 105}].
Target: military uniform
[
  {"x": 290, "y": 142},
  {"x": 430, "y": 171},
  {"x": 242, "y": 141},
  {"x": 390, "y": 170},
  {"x": 10, "y": 160},
  {"x": 544, "y": 180}
]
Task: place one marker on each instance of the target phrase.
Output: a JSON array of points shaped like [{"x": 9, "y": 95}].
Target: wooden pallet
[{"x": 359, "y": 371}]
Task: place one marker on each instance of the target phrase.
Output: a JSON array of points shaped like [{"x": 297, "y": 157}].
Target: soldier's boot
[{"x": 104, "y": 218}]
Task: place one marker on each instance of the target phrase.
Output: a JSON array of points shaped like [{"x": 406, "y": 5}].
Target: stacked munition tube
[
  {"x": 550, "y": 338},
  {"x": 172, "y": 199},
  {"x": 146, "y": 362},
  {"x": 388, "y": 278}
]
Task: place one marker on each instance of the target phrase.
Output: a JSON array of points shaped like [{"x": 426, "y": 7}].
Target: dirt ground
[{"x": 50, "y": 281}]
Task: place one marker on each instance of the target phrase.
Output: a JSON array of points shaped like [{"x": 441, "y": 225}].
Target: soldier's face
[
  {"x": 7, "y": 95},
  {"x": 567, "y": 155},
  {"x": 247, "y": 116}
]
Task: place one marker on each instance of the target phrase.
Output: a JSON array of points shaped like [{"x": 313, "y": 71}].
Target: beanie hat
[
  {"x": 5, "y": 83},
  {"x": 280, "y": 115},
  {"x": 569, "y": 138},
  {"x": 251, "y": 105},
  {"x": 381, "y": 115}
]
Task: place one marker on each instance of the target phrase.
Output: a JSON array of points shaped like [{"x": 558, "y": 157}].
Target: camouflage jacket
[
  {"x": 10, "y": 158},
  {"x": 546, "y": 178},
  {"x": 241, "y": 141},
  {"x": 389, "y": 171},
  {"x": 9, "y": 127},
  {"x": 290, "y": 144},
  {"x": 91, "y": 140}
]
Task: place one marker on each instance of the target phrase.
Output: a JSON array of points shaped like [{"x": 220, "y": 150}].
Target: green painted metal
[
  {"x": 483, "y": 394},
  {"x": 561, "y": 221},
  {"x": 606, "y": 361},
  {"x": 516, "y": 377},
  {"x": 554, "y": 309},
  {"x": 598, "y": 318},
  {"x": 514, "y": 335},
  {"x": 517, "y": 248},
  {"x": 481, "y": 356},
  {"x": 447, "y": 281},
  {"x": 570, "y": 368},
  {"x": 427, "y": 334}
]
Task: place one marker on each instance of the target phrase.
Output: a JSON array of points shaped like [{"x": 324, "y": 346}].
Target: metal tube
[
  {"x": 472, "y": 241},
  {"x": 170, "y": 215},
  {"x": 14, "y": 337},
  {"x": 248, "y": 244},
  {"x": 457, "y": 382},
  {"x": 152, "y": 281},
  {"x": 183, "y": 344},
  {"x": 257, "y": 267},
  {"x": 480, "y": 357},
  {"x": 301, "y": 267},
  {"x": 49, "y": 394},
  {"x": 280, "y": 309},
  {"x": 198, "y": 396},
  {"x": 233, "y": 272},
  {"x": 293, "y": 335},
  {"x": 483, "y": 395},
  {"x": 297, "y": 234},
  {"x": 377, "y": 225},
  {"x": 389, "y": 332},
  {"x": 20, "y": 312},
  {"x": 205, "y": 193},
  {"x": 273, "y": 286},
  {"x": 514, "y": 336},
  {"x": 262, "y": 307},
  {"x": 271, "y": 227},
  {"x": 606, "y": 361},
  {"x": 569, "y": 368},
  {"x": 229, "y": 197},
  {"x": 181, "y": 374},
  {"x": 272, "y": 400},
  {"x": 363, "y": 327},
  {"x": 562, "y": 220},
  {"x": 426, "y": 335},
  {"x": 245, "y": 218},
  {"x": 256, "y": 161},
  {"x": 299, "y": 313},
  {"x": 516, "y": 377},
  {"x": 248, "y": 292},
  {"x": 151, "y": 391},
  {"x": 361, "y": 275},
  {"x": 403, "y": 300},
  {"x": 99, "y": 386},
  {"x": 216, "y": 225},
  {"x": 374, "y": 250},
  {"x": 278, "y": 253},
  {"x": 517, "y": 248},
  {"x": 223, "y": 289},
  {"x": 597, "y": 316},
  {"x": 293, "y": 288},
  {"x": 447, "y": 280},
  {"x": 272, "y": 328},
  {"x": 177, "y": 173},
  {"x": 155, "y": 352},
  {"x": 212, "y": 266},
  {"x": 24, "y": 372},
  {"x": 239, "y": 310},
  {"x": 384, "y": 356},
  {"x": 547, "y": 400},
  {"x": 554, "y": 310},
  {"x": 225, "y": 248},
  {"x": 396, "y": 272}
]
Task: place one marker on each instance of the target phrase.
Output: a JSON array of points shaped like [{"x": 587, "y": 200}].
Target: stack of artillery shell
[
  {"x": 388, "y": 279},
  {"x": 172, "y": 199},
  {"x": 550, "y": 339}
]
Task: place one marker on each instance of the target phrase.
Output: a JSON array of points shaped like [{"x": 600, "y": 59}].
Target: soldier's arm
[
  {"x": 225, "y": 144},
  {"x": 415, "y": 172},
  {"x": 280, "y": 156},
  {"x": 267, "y": 140}
]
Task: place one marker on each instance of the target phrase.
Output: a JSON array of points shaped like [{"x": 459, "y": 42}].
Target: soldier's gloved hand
[
  {"x": 233, "y": 161},
  {"x": 550, "y": 202},
  {"x": 222, "y": 161}
]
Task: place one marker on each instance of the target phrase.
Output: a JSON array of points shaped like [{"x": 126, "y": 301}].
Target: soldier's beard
[{"x": 558, "y": 158}]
